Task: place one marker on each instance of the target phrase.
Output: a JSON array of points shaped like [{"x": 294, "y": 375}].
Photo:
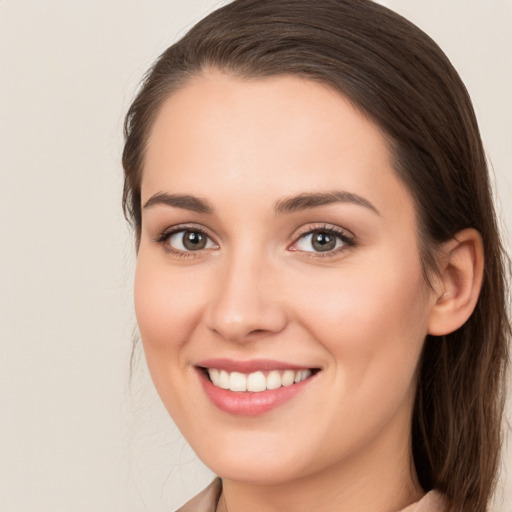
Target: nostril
[{"x": 241, "y": 316}]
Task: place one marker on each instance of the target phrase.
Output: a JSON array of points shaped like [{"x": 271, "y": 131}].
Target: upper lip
[{"x": 250, "y": 366}]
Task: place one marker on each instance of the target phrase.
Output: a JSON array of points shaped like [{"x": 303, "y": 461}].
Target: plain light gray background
[{"x": 74, "y": 435}]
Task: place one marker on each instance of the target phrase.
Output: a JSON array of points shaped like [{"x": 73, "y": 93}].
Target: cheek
[
  {"x": 373, "y": 325},
  {"x": 372, "y": 318},
  {"x": 167, "y": 307}
]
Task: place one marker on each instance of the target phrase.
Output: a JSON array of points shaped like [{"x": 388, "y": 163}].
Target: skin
[{"x": 259, "y": 290}]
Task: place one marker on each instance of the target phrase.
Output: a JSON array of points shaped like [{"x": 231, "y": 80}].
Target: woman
[{"x": 320, "y": 283}]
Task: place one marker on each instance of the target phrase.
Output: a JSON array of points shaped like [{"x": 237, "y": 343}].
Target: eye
[
  {"x": 322, "y": 240},
  {"x": 187, "y": 240}
]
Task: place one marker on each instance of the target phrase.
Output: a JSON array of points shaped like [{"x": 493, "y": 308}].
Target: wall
[{"x": 74, "y": 433}]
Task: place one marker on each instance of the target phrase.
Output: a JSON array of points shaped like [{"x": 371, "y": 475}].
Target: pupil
[
  {"x": 193, "y": 241},
  {"x": 323, "y": 241}
]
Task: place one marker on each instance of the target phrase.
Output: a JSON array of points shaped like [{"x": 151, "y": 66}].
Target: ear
[{"x": 461, "y": 266}]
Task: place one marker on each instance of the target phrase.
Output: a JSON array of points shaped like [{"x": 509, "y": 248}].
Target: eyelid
[
  {"x": 346, "y": 236},
  {"x": 164, "y": 236}
]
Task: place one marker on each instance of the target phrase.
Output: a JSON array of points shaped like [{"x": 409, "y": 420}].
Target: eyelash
[
  {"x": 347, "y": 240},
  {"x": 163, "y": 238}
]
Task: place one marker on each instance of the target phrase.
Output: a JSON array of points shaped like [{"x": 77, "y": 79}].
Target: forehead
[{"x": 262, "y": 135}]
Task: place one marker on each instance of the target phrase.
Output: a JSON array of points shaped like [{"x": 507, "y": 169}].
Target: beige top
[{"x": 207, "y": 500}]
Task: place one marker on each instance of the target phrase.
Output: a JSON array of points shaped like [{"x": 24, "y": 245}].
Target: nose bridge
[{"x": 245, "y": 301}]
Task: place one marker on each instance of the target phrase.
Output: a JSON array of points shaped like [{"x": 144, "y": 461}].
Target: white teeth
[
  {"x": 256, "y": 381},
  {"x": 288, "y": 378},
  {"x": 302, "y": 375},
  {"x": 214, "y": 376},
  {"x": 223, "y": 379},
  {"x": 273, "y": 380},
  {"x": 237, "y": 382}
]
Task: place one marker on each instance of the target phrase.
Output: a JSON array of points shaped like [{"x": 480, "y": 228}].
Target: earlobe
[{"x": 460, "y": 280}]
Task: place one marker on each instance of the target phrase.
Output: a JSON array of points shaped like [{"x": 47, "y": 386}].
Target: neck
[{"x": 382, "y": 478}]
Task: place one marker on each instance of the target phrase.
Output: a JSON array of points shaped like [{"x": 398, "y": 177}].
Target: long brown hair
[{"x": 396, "y": 75}]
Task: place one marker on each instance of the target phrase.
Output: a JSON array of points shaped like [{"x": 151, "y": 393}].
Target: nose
[{"x": 246, "y": 302}]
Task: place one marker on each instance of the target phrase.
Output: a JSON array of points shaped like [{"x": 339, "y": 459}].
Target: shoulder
[
  {"x": 206, "y": 500},
  {"x": 433, "y": 501}
]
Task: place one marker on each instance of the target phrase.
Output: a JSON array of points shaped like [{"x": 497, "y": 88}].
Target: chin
[
  {"x": 252, "y": 459},
  {"x": 252, "y": 471}
]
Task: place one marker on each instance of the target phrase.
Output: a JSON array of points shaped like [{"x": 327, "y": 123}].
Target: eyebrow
[
  {"x": 300, "y": 202},
  {"x": 312, "y": 200},
  {"x": 185, "y": 201}
]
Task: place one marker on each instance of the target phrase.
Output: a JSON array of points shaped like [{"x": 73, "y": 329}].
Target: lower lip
[{"x": 247, "y": 403}]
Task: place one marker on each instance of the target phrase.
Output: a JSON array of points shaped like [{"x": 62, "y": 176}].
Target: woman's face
[{"x": 279, "y": 253}]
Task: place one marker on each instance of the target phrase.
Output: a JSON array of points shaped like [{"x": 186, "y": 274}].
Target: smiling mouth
[{"x": 256, "y": 382}]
